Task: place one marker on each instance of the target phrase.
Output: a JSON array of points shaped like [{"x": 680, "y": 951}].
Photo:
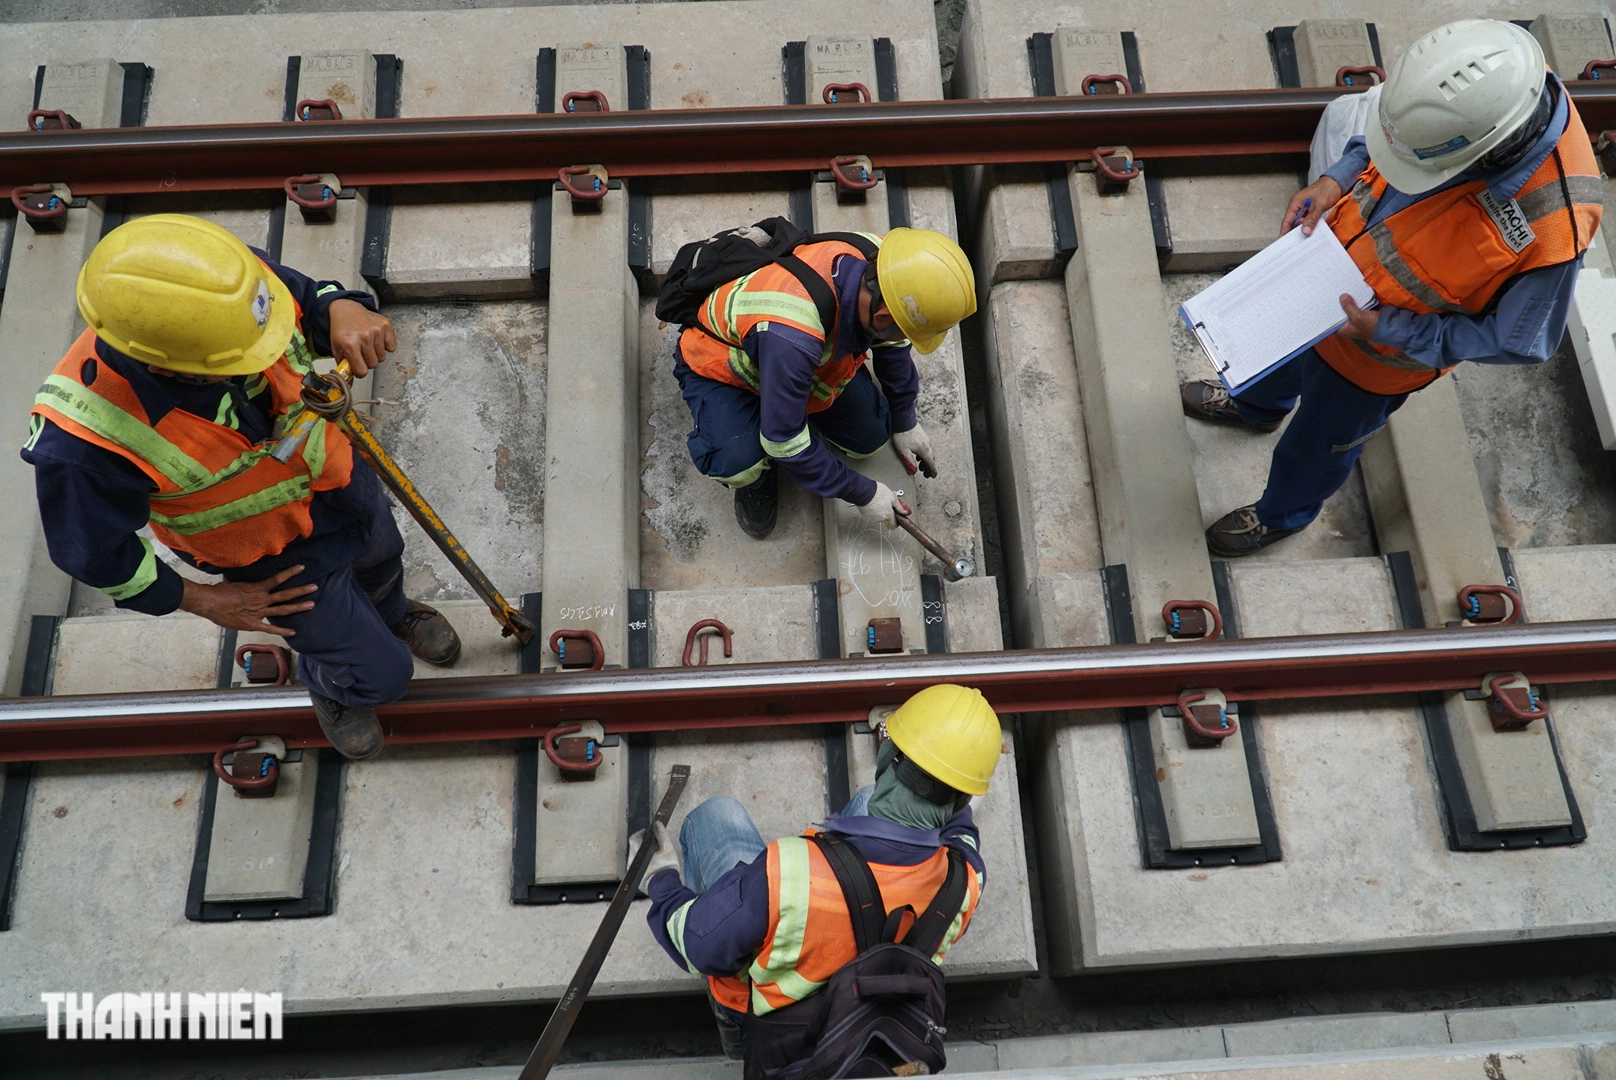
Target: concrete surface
[{"x": 129, "y": 651}]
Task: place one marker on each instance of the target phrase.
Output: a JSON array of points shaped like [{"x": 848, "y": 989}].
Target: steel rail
[
  {"x": 828, "y": 691},
  {"x": 680, "y": 142}
]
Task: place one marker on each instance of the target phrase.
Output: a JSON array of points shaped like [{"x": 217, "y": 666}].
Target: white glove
[
  {"x": 913, "y": 444},
  {"x": 884, "y": 506},
  {"x": 666, "y": 856}
]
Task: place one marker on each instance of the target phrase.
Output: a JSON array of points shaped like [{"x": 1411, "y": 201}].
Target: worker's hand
[
  {"x": 1360, "y": 323},
  {"x": 244, "y": 605},
  {"x": 1324, "y": 192},
  {"x": 915, "y": 445},
  {"x": 884, "y": 506},
  {"x": 360, "y": 336},
  {"x": 666, "y": 856}
]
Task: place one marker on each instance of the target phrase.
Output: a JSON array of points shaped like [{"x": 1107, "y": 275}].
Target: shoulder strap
[
  {"x": 867, "y": 247},
  {"x": 819, "y": 291},
  {"x": 926, "y": 936},
  {"x": 859, "y": 889}
]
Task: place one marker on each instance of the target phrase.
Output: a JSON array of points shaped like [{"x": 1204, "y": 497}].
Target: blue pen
[{"x": 1307, "y": 205}]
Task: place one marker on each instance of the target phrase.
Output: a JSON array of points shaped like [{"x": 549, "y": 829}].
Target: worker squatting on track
[
  {"x": 166, "y": 410},
  {"x": 765, "y": 389},
  {"x": 769, "y": 926},
  {"x": 1467, "y": 208}
]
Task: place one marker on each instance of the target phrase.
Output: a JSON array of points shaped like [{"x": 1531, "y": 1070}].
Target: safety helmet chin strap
[{"x": 928, "y": 787}]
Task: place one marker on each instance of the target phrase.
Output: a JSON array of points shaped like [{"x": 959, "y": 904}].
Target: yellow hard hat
[
  {"x": 952, "y": 733},
  {"x": 926, "y": 283},
  {"x": 185, "y": 294}
]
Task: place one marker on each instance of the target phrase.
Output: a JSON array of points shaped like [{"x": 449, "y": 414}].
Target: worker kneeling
[
  {"x": 772, "y": 361},
  {"x": 821, "y": 950},
  {"x": 167, "y": 410}
]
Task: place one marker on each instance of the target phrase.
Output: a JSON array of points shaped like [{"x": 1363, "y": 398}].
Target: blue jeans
[
  {"x": 718, "y": 836},
  {"x": 1316, "y": 453},
  {"x": 345, "y": 646},
  {"x": 725, "y": 441}
]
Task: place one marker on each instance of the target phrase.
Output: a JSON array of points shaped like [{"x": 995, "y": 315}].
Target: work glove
[
  {"x": 666, "y": 856},
  {"x": 884, "y": 506},
  {"x": 913, "y": 445}
]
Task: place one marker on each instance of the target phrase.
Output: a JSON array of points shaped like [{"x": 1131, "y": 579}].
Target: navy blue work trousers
[
  {"x": 345, "y": 648},
  {"x": 725, "y": 439},
  {"x": 1316, "y": 453}
]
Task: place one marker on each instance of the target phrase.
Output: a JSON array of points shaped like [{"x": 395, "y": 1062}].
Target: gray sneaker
[
  {"x": 1239, "y": 533},
  {"x": 353, "y": 730},
  {"x": 1208, "y": 399}
]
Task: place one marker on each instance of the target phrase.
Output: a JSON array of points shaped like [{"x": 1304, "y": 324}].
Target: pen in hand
[{"x": 1307, "y": 204}]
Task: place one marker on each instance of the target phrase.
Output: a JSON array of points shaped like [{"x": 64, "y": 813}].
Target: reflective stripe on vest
[
  {"x": 771, "y": 295},
  {"x": 810, "y": 934},
  {"x": 1451, "y": 252},
  {"x": 224, "y": 510}
]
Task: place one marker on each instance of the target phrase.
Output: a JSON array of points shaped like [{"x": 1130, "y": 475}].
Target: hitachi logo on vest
[
  {"x": 238, "y": 1015},
  {"x": 1507, "y": 216}
]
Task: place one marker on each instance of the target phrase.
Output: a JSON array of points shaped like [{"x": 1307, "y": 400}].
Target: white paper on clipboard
[{"x": 1276, "y": 304}]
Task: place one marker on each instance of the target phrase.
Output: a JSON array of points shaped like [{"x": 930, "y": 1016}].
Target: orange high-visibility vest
[
  {"x": 219, "y": 498},
  {"x": 1451, "y": 252},
  {"x": 810, "y": 934},
  {"x": 771, "y": 295}
]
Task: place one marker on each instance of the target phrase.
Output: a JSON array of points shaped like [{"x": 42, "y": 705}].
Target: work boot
[
  {"x": 757, "y": 503},
  {"x": 730, "y": 1035},
  {"x": 353, "y": 730},
  {"x": 1239, "y": 533},
  {"x": 428, "y": 634},
  {"x": 1208, "y": 399}
]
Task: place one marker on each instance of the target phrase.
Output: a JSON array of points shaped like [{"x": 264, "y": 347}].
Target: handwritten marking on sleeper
[{"x": 587, "y": 612}]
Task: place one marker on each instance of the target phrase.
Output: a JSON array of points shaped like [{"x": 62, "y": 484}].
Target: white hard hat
[{"x": 1454, "y": 95}]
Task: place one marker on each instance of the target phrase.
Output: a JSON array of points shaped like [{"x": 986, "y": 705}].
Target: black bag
[
  {"x": 705, "y": 265},
  {"x": 884, "y": 1009}
]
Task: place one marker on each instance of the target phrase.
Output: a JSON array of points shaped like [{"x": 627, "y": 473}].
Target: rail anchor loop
[
  {"x": 586, "y": 650},
  {"x": 1105, "y": 84},
  {"x": 43, "y": 206},
  {"x": 52, "y": 120},
  {"x": 315, "y": 195},
  {"x": 1192, "y": 620},
  {"x": 1360, "y": 76},
  {"x": 884, "y": 636},
  {"x": 577, "y": 756},
  {"x": 317, "y": 109},
  {"x": 1114, "y": 169},
  {"x": 1208, "y": 718},
  {"x": 1489, "y": 605},
  {"x": 851, "y": 93},
  {"x": 1599, "y": 69},
  {"x": 854, "y": 176},
  {"x": 264, "y": 663},
  {"x": 696, "y": 633},
  {"x": 589, "y": 190},
  {"x": 254, "y": 776},
  {"x": 1514, "y": 704},
  {"x": 580, "y": 101}
]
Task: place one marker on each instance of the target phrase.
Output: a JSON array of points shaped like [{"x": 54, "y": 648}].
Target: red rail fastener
[
  {"x": 267, "y": 778},
  {"x": 316, "y": 199},
  {"x": 1108, "y": 179},
  {"x": 1514, "y": 705},
  {"x": 1491, "y": 604},
  {"x": 591, "y": 656},
  {"x": 1594, "y": 67},
  {"x": 695, "y": 633},
  {"x": 317, "y": 109},
  {"x": 581, "y": 767},
  {"x": 245, "y": 653},
  {"x": 576, "y": 101},
  {"x": 1095, "y": 84},
  {"x": 848, "y": 182},
  {"x": 591, "y": 194},
  {"x": 1345, "y": 76},
  {"x": 51, "y": 120},
  {"x": 44, "y": 210},
  {"x": 833, "y": 93},
  {"x": 1207, "y": 730},
  {"x": 1188, "y": 619}
]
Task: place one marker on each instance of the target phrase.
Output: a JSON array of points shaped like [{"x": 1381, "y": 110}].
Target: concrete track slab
[
  {"x": 1347, "y": 883},
  {"x": 126, "y": 652}
]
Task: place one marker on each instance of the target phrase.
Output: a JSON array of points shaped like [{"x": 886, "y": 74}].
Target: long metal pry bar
[{"x": 324, "y": 398}]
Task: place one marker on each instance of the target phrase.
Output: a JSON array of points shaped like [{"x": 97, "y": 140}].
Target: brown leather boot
[
  {"x": 353, "y": 730},
  {"x": 428, "y": 634}
]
